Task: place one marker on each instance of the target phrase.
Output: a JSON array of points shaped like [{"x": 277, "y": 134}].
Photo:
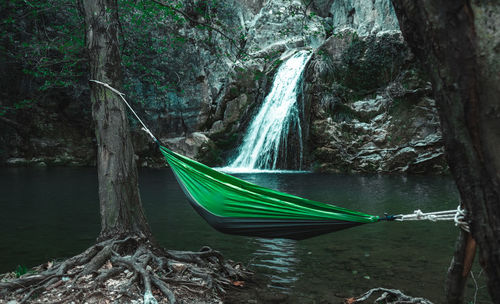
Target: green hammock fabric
[{"x": 235, "y": 206}]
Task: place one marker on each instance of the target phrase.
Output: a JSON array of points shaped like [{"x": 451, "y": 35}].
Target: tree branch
[
  {"x": 191, "y": 19},
  {"x": 11, "y": 123}
]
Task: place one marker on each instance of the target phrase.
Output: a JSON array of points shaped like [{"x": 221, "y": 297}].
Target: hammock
[{"x": 234, "y": 206}]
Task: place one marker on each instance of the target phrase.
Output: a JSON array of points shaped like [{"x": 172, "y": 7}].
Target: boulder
[
  {"x": 189, "y": 145},
  {"x": 234, "y": 108}
]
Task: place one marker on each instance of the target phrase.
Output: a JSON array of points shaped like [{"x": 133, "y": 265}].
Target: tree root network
[
  {"x": 130, "y": 270},
  {"x": 388, "y": 296}
]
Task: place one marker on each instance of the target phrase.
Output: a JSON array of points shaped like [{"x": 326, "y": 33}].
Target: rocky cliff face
[
  {"x": 367, "y": 106},
  {"x": 371, "y": 108},
  {"x": 364, "y": 17},
  {"x": 280, "y": 28},
  {"x": 50, "y": 134}
]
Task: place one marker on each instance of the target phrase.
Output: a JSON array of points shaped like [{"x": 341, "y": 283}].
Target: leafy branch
[{"x": 202, "y": 24}]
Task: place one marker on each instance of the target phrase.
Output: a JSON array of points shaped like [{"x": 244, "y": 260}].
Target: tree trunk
[
  {"x": 120, "y": 203},
  {"x": 459, "y": 43},
  {"x": 456, "y": 280}
]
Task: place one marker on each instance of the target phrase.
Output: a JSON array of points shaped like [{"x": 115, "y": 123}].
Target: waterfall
[{"x": 276, "y": 127}]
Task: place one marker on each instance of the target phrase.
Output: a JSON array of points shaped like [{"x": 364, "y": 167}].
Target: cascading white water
[{"x": 266, "y": 139}]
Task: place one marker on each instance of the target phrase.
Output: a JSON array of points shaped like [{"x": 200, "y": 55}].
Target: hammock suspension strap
[
  {"x": 457, "y": 215},
  {"x": 144, "y": 127}
]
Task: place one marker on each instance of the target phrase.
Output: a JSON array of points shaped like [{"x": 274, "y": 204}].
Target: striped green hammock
[{"x": 234, "y": 206}]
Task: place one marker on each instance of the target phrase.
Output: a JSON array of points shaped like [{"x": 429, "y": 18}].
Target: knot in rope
[
  {"x": 457, "y": 215},
  {"x": 422, "y": 216},
  {"x": 460, "y": 220}
]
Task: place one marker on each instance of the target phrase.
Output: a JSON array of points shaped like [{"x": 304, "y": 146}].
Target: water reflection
[
  {"x": 277, "y": 258},
  {"x": 54, "y": 212}
]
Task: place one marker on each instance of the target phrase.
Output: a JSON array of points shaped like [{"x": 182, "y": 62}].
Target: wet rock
[
  {"x": 17, "y": 162},
  {"x": 364, "y": 17},
  {"x": 39, "y": 163},
  {"x": 364, "y": 120},
  {"x": 370, "y": 162},
  {"x": 280, "y": 26},
  {"x": 188, "y": 145},
  {"x": 217, "y": 127},
  {"x": 362, "y": 128},
  {"x": 380, "y": 137},
  {"x": 370, "y": 107},
  {"x": 401, "y": 159},
  {"x": 234, "y": 108},
  {"x": 430, "y": 140},
  {"x": 432, "y": 161}
]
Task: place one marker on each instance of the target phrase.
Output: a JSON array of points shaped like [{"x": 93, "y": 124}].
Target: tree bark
[
  {"x": 459, "y": 44},
  {"x": 120, "y": 203},
  {"x": 455, "y": 281}
]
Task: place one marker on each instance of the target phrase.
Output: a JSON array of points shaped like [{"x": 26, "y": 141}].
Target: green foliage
[
  {"x": 163, "y": 45},
  {"x": 328, "y": 26},
  {"x": 257, "y": 75},
  {"x": 20, "y": 270},
  {"x": 47, "y": 37},
  {"x": 143, "y": 47},
  {"x": 323, "y": 55},
  {"x": 25, "y": 103},
  {"x": 41, "y": 46}
]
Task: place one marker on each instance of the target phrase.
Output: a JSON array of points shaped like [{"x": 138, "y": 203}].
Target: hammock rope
[
  {"x": 144, "y": 127},
  {"x": 457, "y": 215},
  {"x": 235, "y": 206}
]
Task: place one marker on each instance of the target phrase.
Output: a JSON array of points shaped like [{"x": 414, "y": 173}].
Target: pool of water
[{"x": 52, "y": 213}]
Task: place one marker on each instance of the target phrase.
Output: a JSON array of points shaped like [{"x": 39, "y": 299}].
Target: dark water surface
[{"x": 51, "y": 213}]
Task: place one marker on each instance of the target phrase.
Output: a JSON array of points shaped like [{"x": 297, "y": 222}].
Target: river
[{"x": 49, "y": 213}]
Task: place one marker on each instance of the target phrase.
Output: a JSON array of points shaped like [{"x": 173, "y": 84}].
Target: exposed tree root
[
  {"x": 388, "y": 296},
  {"x": 125, "y": 270}
]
